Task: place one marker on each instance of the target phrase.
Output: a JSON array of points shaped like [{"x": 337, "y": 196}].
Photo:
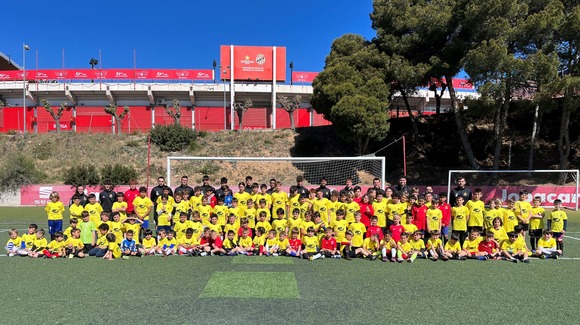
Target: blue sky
[{"x": 175, "y": 34}]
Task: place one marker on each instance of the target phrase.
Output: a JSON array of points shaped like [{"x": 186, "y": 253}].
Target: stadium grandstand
[{"x": 206, "y": 95}]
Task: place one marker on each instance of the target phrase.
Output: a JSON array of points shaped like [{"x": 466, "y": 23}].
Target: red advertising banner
[
  {"x": 301, "y": 76},
  {"x": 39, "y": 194},
  {"x": 110, "y": 74},
  {"x": 459, "y": 83},
  {"x": 547, "y": 193},
  {"x": 254, "y": 63}
]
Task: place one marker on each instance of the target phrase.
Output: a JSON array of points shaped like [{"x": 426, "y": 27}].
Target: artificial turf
[{"x": 283, "y": 290}]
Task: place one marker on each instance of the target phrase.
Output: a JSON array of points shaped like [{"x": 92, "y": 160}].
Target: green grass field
[{"x": 233, "y": 290}]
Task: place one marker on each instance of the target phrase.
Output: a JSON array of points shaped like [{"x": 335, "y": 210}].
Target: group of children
[{"x": 381, "y": 224}]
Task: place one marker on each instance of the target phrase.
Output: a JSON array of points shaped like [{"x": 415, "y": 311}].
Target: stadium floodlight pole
[
  {"x": 291, "y": 71},
  {"x": 25, "y": 48},
  {"x": 214, "y": 63},
  {"x": 232, "y": 90},
  {"x": 224, "y": 85}
]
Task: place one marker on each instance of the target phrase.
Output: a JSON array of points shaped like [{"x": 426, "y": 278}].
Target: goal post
[
  {"x": 362, "y": 170},
  {"x": 549, "y": 185}
]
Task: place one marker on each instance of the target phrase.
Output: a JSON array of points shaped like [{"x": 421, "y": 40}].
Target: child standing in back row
[
  {"x": 557, "y": 224},
  {"x": 54, "y": 210}
]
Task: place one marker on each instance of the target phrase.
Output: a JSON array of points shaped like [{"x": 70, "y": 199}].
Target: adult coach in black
[
  {"x": 156, "y": 192},
  {"x": 205, "y": 185},
  {"x": 460, "y": 190},
  {"x": 184, "y": 187},
  {"x": 107, "y": 196},
  {"x": 402, "y": 186},
  {"x": 80, "y": 191},
  {"x": 221, "y": 191},
  {"x": 325, "y": 190},
  {"x": 300, "y": 189}
]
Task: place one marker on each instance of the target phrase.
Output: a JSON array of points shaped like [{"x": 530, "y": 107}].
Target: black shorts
[
  {"x": 69, "y": 251},
  {"x": 536, "y": 233},
  {"x": 525, "y": 226},
  {"x": 480, "y": 229}
]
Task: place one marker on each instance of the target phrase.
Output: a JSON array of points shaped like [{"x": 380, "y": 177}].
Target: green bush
[
  {"x": 18, "y": 170},
  {"x": 172, "y": 137},
  {"x": 118, "y": 174},
  {"x": 82, "y": 175}
]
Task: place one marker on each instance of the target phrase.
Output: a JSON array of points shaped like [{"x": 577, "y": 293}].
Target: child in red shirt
[
  {"x": 488, "y": 248},
  {"x": 396, "y": 228},
  {"x": 295, "y": 244},
  {"x": 374, "y": 229},
  {"x": 328, "y": 245}
]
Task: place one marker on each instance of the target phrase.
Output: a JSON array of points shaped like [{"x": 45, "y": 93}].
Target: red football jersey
[
  {"x": 446, "y": 212},
  {"x": 396, "y": 232},
  {"x": 241, "y": 232},
  {"x": 420, "y": 217},
  {"x": 328, "y": 243},
  {"x": 485, "y": 246},
  {"x": 295, "y": 244},
  {"x": 371, "y": 230}
]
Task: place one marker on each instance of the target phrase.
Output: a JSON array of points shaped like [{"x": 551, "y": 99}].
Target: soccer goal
[
  {"x": 549, "y": 185},
  {"x": 336, "y": 170}
]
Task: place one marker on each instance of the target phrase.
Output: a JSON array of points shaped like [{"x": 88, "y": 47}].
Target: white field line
[{"x": 575, "y": 238}]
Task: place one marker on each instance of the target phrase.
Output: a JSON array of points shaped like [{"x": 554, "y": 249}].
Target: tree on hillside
[
  {"x": 431, "y": 35},
  {"x": 240, "y": 108},
  {"x": 290, "y": 106},
  {"x": 506, "y": 54},
  {"x": 568, "y": 85},
  {"x": 56, "y": 115},
  {"x": 112, "y": 110},
  {"x": 174, "y": 111},
  {"x": 351, "y": 91}
]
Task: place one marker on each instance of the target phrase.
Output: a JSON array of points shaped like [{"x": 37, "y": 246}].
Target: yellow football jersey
[
  {"x": 358, "y": 229},
  {"x": 54, "y": 210},
  {"x": 476, "y": 209}
]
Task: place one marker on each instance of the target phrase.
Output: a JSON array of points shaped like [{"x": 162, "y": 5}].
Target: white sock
[
  {"x": 183, "y": 250},
  {"x": 317, "y": 256},
  {"x": 393, "y": 252},
  {"x": 384, "y": 252}
]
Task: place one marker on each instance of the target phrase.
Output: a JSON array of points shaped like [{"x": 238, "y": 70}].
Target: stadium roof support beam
[
  {"x": 191, "y": 96},
  {"x": 69, "y": 95},
  {"x": 31, "y": 97},
  {"x": 110, "y": 97},
  {"x": 150, "y": 96}
]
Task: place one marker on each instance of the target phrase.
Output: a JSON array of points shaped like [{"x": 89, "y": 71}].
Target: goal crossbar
[
  {"x": 382, "y": 160},
  {"x": 576, "y": 172}
]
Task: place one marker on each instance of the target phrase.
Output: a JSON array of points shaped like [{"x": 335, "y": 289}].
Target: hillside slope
[{"x": 428, "y": 158}]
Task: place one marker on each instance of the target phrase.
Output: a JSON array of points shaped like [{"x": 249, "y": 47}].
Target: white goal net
[
  {"x": 549, "y": 185},
  {"x": 336, "y": 170}
]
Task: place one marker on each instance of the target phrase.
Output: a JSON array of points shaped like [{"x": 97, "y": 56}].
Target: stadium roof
[{"x": 6, "y": 63}]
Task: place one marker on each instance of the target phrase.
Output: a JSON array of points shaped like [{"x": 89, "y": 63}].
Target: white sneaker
[
  {"x": 275, "y": 254},
  {"x": 322, "y": 256},
  {"x": 203, "y": 254},
  {"x": 11, "y": 254}
]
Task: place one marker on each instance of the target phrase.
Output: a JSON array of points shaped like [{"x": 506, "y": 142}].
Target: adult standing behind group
[
  {"x": 107, "y": 196},
  {"x": 300, "y": 189},
  {"x": 205, "y": 185},
  {"x": 460, "y": 190},
  {"x": 157, "y": 192},
  {"x": 402, "y": 186},
  {"x": 221, "y": 191},
  {"x": 80, "y": 192},
  {"x": 325, "y": 190},
  {"x": 184, "y": 185}
]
